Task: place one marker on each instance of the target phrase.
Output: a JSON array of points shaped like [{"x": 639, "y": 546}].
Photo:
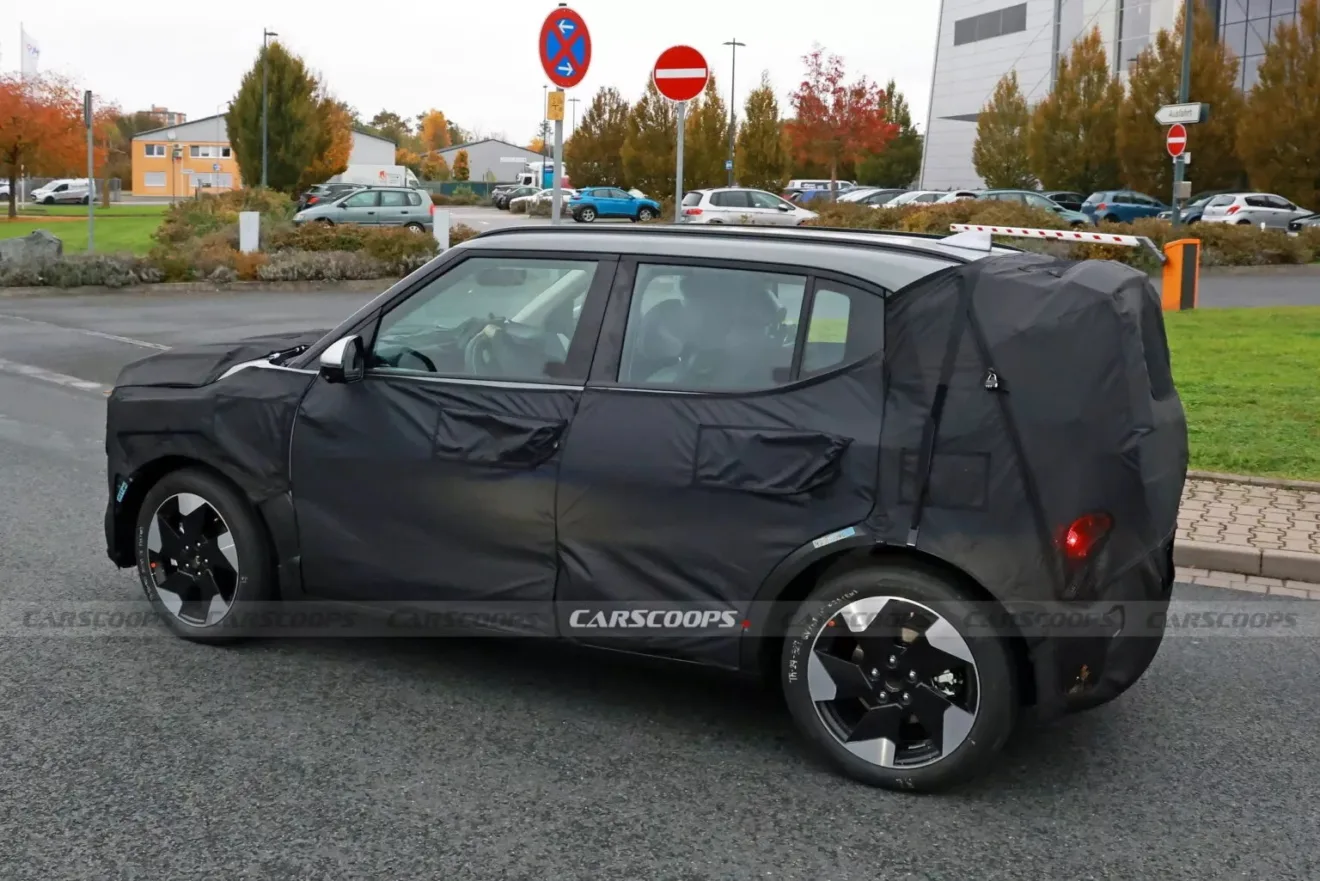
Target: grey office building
[{"x": 982, "y": 40}]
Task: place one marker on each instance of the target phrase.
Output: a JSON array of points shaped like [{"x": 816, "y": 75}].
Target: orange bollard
[{"x": 1182, "y": 275}]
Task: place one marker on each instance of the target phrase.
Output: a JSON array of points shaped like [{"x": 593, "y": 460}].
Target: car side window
[
  {"x": 488, "y": 318},
  {"x": 367, "y": 199},
  {"x": 1040, "y": 202},
  {"x": 846, "y": 324},
  {"x": 730, "y": 199},
  {"x": 765, "y": 200},
  {"x": 393, "y": 199},
  {"x": 1279, "y": 202},
  {"x": 414, "y": 199},
  {"x": 697, "y": 328},
  {"x": 1257, "y": 201}
]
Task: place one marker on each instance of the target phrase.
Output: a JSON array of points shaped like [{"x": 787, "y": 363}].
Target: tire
[
  {"x": 325, "y": 221},
  {"x": 645, "y": 214},
  {"x": 586, "y": 215},
  {"x": 415, "y": 227},
  {"x": 87, "y": 200},
  {"x": 1244, "y": 223},
  {"x": 233, "y": 537},
  {"x": 1112, "y": 218},
  {"x": 987, "y": 702},
  {"x": 49, "y": 200}
]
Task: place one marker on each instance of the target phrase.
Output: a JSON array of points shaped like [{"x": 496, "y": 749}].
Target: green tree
[
  {"x": 461, "y": 170},
  {"x": 593, "y": 156},
  {"x": 761, "y": 159},
  {"x": 706, "y": 140},
  {"x": 334, "y": 141},
  {"x": 1278, "y": 134},
  {"x": 293, "y": 120},
  {"x": 1153, "y": 82},
  {"x": 1072, "y": 141},
  {"x": 458, "y": 134},
  {"x": 650, "y": 144},
  {"x": 900, "y": 162},
  {"x": 1000, "y": 151}
]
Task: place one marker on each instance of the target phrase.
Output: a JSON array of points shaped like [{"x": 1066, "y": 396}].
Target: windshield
[{"x": 857, "y": 195}]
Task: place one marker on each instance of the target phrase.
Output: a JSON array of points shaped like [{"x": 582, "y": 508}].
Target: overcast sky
[{"x": 476, "y": 61}]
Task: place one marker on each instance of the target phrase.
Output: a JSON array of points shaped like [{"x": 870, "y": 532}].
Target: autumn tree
[
  {"x": 294, "y": 117},
  {"x": 1277, "y": 135},
  {"x": 434, "y": 167},
  {"x": 334, "y": 141},
  {"x": 593, "y": 156},
  {"x": 391, "y": 125},
  {"x": 1000, "y": 152},
  {"x": 118, "y": 142},
  {"x": 706, "y": 139},
  {"x": 900, "y": 162},
  {"x": 433, "y": 130},
  {"x": 834, "y": 120},
  {"x": 536, "y": 145},
  {"x": 1072, "y": 141},
  {"x": 408, "y": 159},
  {"x": 458, "y": 134},
  {"x": 761, "y": 161},
  {"x": 1153, "y": 81},
  {"x": 41, "y": 130},
  {"x": 460, "y": 170},
  {"x": 650, "y": 144}
]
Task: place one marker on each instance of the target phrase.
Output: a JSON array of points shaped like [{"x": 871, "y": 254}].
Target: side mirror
[
  {"x": 342, "y": 205},
  {"x": 784, "y": 206},
  {"x": 344, "y": 361}
]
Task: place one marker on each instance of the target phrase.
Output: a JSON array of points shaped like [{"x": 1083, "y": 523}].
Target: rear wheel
[
  {"x": 886, "y": 685},
  {"x": 202, "y": 557},
  {"x": 1111, "y": 218},
  {"x": 415, "y": 227},
  {"x": 586, "y": 215},
  {"x": 1244, "y": 223}
]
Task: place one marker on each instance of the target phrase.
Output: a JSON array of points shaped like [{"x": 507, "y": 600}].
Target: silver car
[
  {"x": 1252, "y": 209},
  {"x": 375, "y": 206},
  {"x": 736, "y": 205}
]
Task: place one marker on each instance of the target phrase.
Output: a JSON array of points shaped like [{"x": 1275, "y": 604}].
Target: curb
[
  {"x": 1305, "y": 485},
  {"x": 1242, "y": 560},
  {"x": 374, "y": 286}
]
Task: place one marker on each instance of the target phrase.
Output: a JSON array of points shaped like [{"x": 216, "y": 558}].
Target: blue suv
[
  {"x": 593, "y": 202},
  {"x": 1121, "y": 206}
]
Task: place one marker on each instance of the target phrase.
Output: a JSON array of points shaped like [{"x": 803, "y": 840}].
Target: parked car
[
  {"x": 325, "y": 193},
  {"x": 872, "y": 196},
  {"x": 957, "y": 196},
  {"x": 739, "y": 206},
  {"x": 702, "y": 446},
  {"x": 1253, "y": 209},
  {"x": 1121, "y": 206},
  {"x": 63, "y": 192},
  {"x": 1037, "y": 200},
  {"x": 818, "y": 184},
  {"x": 1191, "y": 212},
  {"x": 376, "y": 206},
  {"x": 590, "y": 203},
  {"x": 543, "y": 195},
  {"x": 916, "y": 197},
  {"x": 1068, "y": 199},
  {"x": 1310, "y": 221},
  {"x": 503, "y": 198}
]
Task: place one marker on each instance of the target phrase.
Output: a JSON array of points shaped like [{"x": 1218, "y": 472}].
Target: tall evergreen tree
[
  {"x": 650, "y": 143},
  {"x": 293, "y": 120},
  {"x": 706, "y": 140},
  {"x": 900, "y": 162},
  {"x": 761, "y": 158},
  {"x": 593, "y": 156}
]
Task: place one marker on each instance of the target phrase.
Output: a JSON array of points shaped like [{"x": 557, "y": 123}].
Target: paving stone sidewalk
[{"x": 1268, "y": 533}]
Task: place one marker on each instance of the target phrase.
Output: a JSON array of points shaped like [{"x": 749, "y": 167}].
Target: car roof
[{"x": 850, "y": 250}]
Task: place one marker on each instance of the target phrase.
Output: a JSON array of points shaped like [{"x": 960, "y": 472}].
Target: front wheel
[
  {"x": 644, "y": 215},
  {"x": 202, "y": 557},
  {"x": 325, "y": 221},
  {"x": 49, "y": 200},
  {"x": 882, "y": 678},
  {"x": 415, "y": 227}
]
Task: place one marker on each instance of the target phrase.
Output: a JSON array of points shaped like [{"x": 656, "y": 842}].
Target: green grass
[
  {"x": 119, "y": 209},
  {"x": 125, "y": 233},
  {"x": 1250, "y": 382}
]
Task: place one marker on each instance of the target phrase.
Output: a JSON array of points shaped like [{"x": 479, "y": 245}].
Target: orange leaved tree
[
  {"x": 41, "y": 130},
  {"x": 836, "y": 122}
]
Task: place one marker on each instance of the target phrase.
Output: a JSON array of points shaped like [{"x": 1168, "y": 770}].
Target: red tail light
[
  {"x": 1100, "y": 207},
  {"x": 433, "y": 209},
  {"x": 692, "y": 211},
  {"x": 1233, "y": 209},
  {"x": 313, "y": 200},
  {"x": 1084, "y": 534}
]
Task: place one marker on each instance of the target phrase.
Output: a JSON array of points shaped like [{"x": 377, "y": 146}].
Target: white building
[{"x": 982, "y": 40}]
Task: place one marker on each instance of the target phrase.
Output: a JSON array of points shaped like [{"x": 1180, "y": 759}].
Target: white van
[
  {"x": 64, "y": 191},
  {"x": 377, "y": 176},
  {"x": 819, "y": 184}
]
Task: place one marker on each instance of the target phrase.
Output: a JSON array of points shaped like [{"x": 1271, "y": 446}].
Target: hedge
[{"x": 1221, "y": 244}]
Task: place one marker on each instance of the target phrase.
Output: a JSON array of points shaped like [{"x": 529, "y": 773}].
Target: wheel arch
[{"x": 785, "y": 590}]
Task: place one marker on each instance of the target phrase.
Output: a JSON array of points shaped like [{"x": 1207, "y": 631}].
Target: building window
[
  {"x": 1069, "y": 23},
  {"x": 208, "y": 152},
  {"x": 155, "y": 150},
  {"x": 1133, "y": 31},
  {"x": 225, "y": 153},
  {"x": 988, "y": 25},
  {"x": 154, "y": 179}
]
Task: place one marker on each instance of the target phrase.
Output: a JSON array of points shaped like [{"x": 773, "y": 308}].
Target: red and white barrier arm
[{"x": 1064, "y": 235}]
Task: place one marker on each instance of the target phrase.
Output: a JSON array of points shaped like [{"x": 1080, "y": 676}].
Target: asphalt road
[{"x": 139, "y": 756}]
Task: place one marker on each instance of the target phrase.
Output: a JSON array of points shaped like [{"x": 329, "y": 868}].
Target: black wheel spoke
[
  {"x": 194, "y": 523},
  {"x": 879, "y": 722},
  {"x": 849, "y": 679},
  {"x": 928, "y": 705},
  {"x": 197, "y": 605},
  {"x": 171, "y": 542},
  {"x": 179, "y": 584},
  {"x": 930, "y": 661}
]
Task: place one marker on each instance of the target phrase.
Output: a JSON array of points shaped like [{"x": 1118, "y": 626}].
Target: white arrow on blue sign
[
  {"x": 566, "y": 68},
  {"x": 565, "y": 27}
]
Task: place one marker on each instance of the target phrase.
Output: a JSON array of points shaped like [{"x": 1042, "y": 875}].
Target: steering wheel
[
  {"x": 479, "y": 354},
  {"x": 405, "y": 352}
]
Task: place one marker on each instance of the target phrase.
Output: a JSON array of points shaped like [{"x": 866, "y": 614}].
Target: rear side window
[
  {"x": 730, "y": 199},
  {"x": 691, "y": 200},
  {"x": 1096, "y": 197},
  {"x": 1221, "y": 201},
  {"x": 846, "y": 324},
  {"x": 414, "y": 198}
]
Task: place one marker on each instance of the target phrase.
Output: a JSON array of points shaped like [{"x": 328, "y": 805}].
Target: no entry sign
[
  {"x": 1176, "y": 140},
  {"x": 680, "y": 73}
]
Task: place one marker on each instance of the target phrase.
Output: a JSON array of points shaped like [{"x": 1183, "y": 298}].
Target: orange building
[{"x": 180, "y": 160}]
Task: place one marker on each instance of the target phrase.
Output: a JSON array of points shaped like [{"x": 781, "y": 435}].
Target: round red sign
[
  {"x": 1176, "y": 140},
  {"x": 680, "y": 73}
]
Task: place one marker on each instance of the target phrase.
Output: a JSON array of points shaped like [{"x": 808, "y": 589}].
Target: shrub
[
  {"x": 213, "y": 212},
  {"x": 71, "y": 271},
  {"x": 1311, "y": 238},
  {"x": 248, "y": 266},
  {"x": 439, "y": 199},
  {"x": 539, "y": 209},
  {"x": 390, "y": 245},
  {"x": 516, "y": 207},
  {"x": 460, "y": 233},
  {"x": 321, "y": 266},
  {"x": 464, "y": 196}
]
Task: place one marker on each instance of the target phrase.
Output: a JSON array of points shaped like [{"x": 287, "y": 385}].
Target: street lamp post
[
  {"x": 1184, "y": 85},
  {"x": 574, "y": 102},
  {"x": 265, "y": 44},
  {"x": 545, "y": 121},
  {"x": 733, "y": 100}
]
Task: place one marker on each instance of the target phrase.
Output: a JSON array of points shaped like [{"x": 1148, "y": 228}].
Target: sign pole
[
  {"x": 556, "y": 206},
  {"x": 91, "y": 181},
  {"x": 1183, "y": 87},
  {"x": 678, "y": 177}
]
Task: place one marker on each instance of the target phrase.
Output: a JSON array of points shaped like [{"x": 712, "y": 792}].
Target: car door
[
  {"x": 731, "y": 206},
  {"x": 622, "y": 203},
  {"x": 718, "y": 435},
  {"x": 360, "y": 208},
  {"x": 434, "y": 477},
  {"x": 766, "y": 210},
  {"x": 393, "y": 208},
  {"x": 1277, "y": 211}
]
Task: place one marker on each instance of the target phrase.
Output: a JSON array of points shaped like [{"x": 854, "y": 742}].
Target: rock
[{"x": 36, "y": 245}]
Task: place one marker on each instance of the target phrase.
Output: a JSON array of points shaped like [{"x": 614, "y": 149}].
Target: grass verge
[
  {"x": 115, "y": 234},
  {"x": 1250, "y": 382}
]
